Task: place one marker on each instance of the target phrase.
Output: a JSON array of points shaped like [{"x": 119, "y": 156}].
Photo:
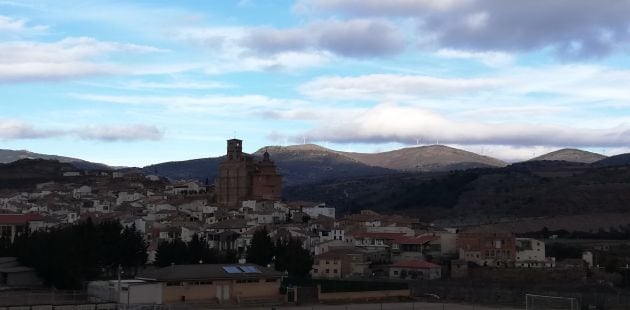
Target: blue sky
[{"x": 135, "y": 83}]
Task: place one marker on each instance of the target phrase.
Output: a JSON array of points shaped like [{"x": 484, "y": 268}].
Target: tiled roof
[
  {"x": 415, "y": 264},
  {"x": 414, "y": 240},
  {"x": 19, "y": 218},
  {"x": 378, "y": 235}
]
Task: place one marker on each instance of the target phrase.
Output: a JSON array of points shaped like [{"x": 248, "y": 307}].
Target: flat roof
[{"x": 209, "y": 272}]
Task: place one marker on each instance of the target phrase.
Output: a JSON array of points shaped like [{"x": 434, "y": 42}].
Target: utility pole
[{"x": 119, "y": 287}]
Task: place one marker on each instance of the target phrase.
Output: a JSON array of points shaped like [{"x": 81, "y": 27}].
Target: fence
[{"x": 27, "y": 298}]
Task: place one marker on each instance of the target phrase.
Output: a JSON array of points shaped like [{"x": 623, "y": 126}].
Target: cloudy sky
[{"x": 134, "y": 83}]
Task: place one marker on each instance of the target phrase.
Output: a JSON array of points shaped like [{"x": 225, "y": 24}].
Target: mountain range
[{"x": 310, "y": 163}]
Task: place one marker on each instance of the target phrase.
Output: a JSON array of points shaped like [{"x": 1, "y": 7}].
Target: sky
[{"x": 131, "y": 83}]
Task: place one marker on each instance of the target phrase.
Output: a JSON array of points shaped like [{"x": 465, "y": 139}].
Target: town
[{"x": 250, "y": 242}]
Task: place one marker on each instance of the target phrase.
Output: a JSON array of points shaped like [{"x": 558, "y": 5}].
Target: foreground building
[{"x": 210, "y": 283}]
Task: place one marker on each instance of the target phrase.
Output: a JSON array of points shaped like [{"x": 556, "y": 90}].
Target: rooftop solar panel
[
  {"x": 230, "y": 269},
  {"x": 249, "y": 269}
]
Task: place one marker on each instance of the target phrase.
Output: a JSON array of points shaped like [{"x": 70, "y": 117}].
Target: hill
[
  {"x": 477, "y": 196},
  {"x": 297, "y": 164},
  {"x": 308, "y": 163},
  {"x": 612, "y": 161},
  {"x": 571, "y": 155},
  {"x": 8, "y": 156},
  {"x": 26, "y": 172},
  {"x": 426, "y": 158},
  {"x": 201, "y": 169}
]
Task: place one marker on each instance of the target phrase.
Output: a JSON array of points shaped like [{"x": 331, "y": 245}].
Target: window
[
  {"x": 395, "y": 272},
  {"x": 327, "y": 270},
  {"x": 315, "y": 271},
  {"x": 271, "y": 280},
  {"x": 5, "y": 231},
  {"x": 173, "y": 283},
  {"x": 334, "y": 270},
  {"x": 247, "y": 281}
]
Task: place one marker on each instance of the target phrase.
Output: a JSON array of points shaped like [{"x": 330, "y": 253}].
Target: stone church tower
[{"x": 241, "y": 178}]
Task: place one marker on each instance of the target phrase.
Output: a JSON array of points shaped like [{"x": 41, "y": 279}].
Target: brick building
[
  {"x": 487, "y": 247},
  {"x": 242, "y": 178}
]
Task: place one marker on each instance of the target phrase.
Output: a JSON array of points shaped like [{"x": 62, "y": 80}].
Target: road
[{"x": 388, "y": 306}]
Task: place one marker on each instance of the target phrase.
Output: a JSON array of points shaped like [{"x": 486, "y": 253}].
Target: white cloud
[
  {"x": 192, "y": 85},
  {"x": 579, "y": 84},
  {"x": 133, "y": 132},
  {"x": 67, "y": 58},
  {"x": 376, "y": 87},
  {"x": 11, "y": 129},
  {"x": 15, "y": 129},
  {"x": 377, "y": 7},
  {"x": 226, "y": 52},
  {"x": 388, "y": 122},
  {"x": 352, "y": 38},
  {"x": 492, "y": 59},
  {"x": 215, "y": 104},
  {"x": 10, "y": 24}
]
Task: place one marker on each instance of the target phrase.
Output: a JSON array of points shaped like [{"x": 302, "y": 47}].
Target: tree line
[
  {"x": 196, "y": 251},
  {"x": 68, "y": 256},
  {"x": 285, "y": 255}
]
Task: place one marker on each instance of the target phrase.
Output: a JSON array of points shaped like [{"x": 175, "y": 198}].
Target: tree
[
  {"x": 171, "y": 252},
  {"x": 293, "y": 258},
  {"x": 133, "y": 249},
  {"x": 199, "y": 251},
  {"x": 261, "y": 249}
]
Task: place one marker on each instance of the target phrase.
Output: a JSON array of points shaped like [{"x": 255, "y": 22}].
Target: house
[
  {"x": 14, "y": 274},
  {"x": 414, "y": 248},
  {"x": 377, "y": 245},
  {"x": 415, "y": 269},
  {"x": 318, "y": 210},
  {"x": 185, "y": 188},
  {"x": 13, "y": 225},
  {"x": 82, "y": 191},
  {"x": 530, "y": 253},
  {"x": 487, "y": 247},
  {"x": 240, "y": 283},
  {"x": 331, "y": 245},
  {"x": 340, "y": 263}
]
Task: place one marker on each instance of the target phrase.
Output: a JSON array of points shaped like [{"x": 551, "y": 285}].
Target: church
[{"x": 241, "y": 177}]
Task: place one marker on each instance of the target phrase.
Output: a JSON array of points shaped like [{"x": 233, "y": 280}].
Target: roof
[
  {"x": 16, "y": 269},
  {"x": 378, "y": 235},
  {"x": 338, "y": 253},
  {"x": 415, "y": 264},
  {"x": 19, "y": 218},
  {"x": 206, "y": 272},
  {"x": 414, "y": 240},
  {"x": 229, "y": 224}
]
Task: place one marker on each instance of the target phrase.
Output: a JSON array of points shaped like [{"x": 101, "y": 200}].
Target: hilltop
[
  {"x": 571, "y": 155},
  {"x": 427, "y": 158},
  {"x": 8, "y": 156}
]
